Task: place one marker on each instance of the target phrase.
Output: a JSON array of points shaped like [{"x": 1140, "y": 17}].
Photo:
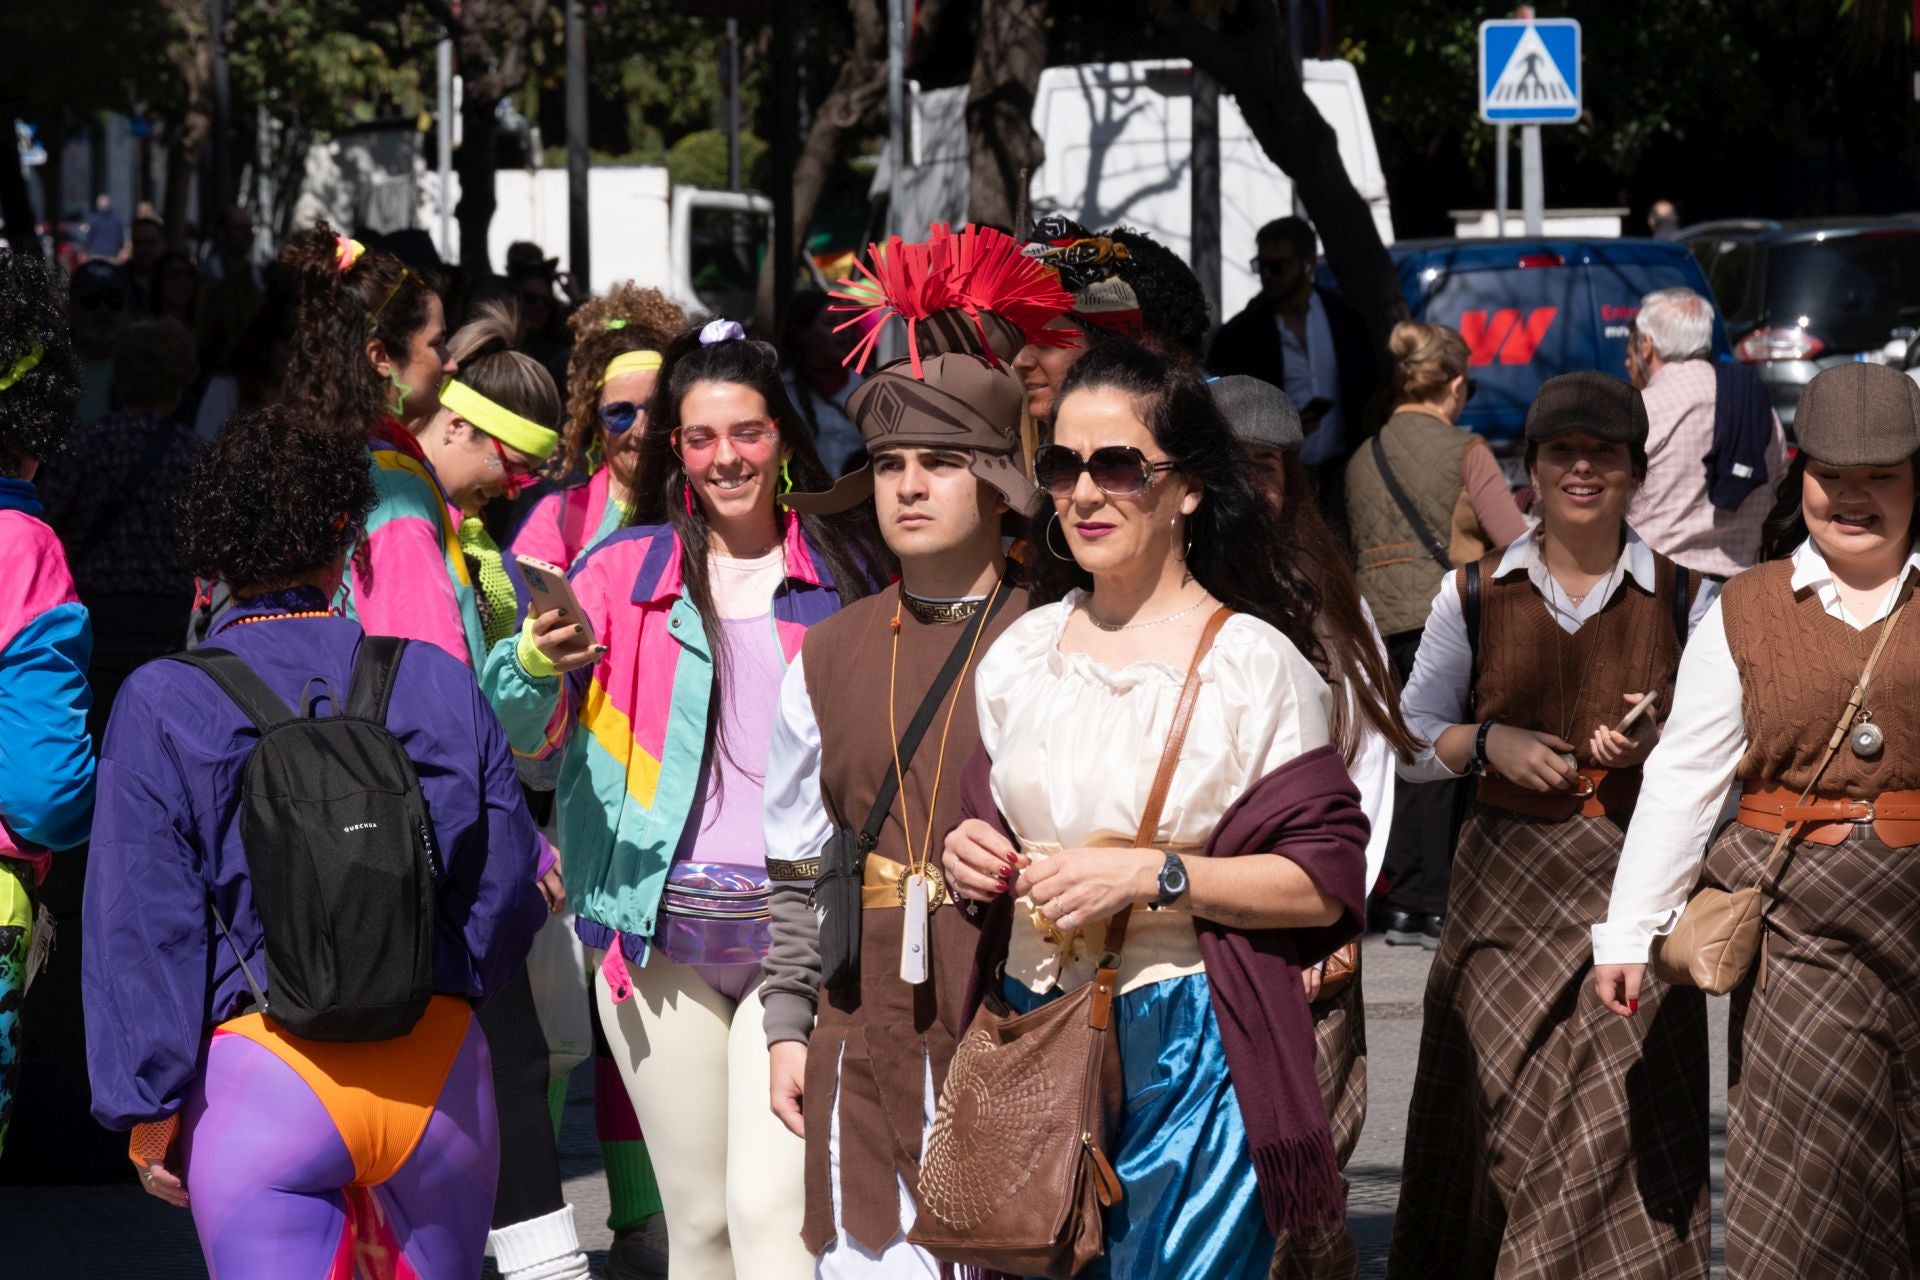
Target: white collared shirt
[
  {"x": 1436, "y": 696},
  {"x": 1690, "y": 773},
  {"x": 1313, "y": 373}
]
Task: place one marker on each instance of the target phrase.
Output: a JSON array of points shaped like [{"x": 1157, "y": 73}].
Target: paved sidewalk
[{"x": 52, "y": 1233}]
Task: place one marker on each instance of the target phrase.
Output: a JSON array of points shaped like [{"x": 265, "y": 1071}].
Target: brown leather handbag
[
  {"x": 1336, "y": 972},
  {"x": 1722, "y": 932},
  {"x": 1015, "y": 1173}
]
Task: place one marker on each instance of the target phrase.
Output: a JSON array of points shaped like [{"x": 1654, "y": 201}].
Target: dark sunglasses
[
  {"x": 618, "y": 418},
  {"x": 1118, "y": 470},
  {"x": 1273, "y": 266}
]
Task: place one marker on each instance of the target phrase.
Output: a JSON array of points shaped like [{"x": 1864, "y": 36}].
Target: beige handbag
[{"x": 1722, "y": 932}]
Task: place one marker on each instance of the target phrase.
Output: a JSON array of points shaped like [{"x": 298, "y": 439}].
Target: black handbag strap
[
  {"x": 1682, "y": 602},
  {"x": 1470, "y": 611},
  {"x": 248, "y": 691},
  {"x": 929, "y": 706},
  {"x": 1400, "y": 499}
]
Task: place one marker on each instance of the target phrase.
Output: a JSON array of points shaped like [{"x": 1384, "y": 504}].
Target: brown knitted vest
[
  {"x": 1535, "y": 676},
  {"x": 1797, "y": 667},
  {"x": 881, "y": 1036}
]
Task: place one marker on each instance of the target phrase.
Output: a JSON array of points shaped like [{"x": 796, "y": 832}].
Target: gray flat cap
[
  {"x": 1603, "y": 407},
  {"x": 1859, "y": 415},
  {"x": 1258, "y": 411}
]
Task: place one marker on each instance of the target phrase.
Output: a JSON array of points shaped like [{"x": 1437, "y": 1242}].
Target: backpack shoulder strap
[
  {"x": 1682, "y": 602},
  {"x": 374, "y": 671},
  {"x": 240, "y": 682}
]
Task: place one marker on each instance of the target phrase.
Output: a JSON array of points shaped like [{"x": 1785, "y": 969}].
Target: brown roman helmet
[
  {"x": 1859, "y": 415},
  {"x": 970, "y": 301}
]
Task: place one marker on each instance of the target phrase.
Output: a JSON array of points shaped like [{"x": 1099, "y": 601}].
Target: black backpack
[{"x": 340, "y": 853}]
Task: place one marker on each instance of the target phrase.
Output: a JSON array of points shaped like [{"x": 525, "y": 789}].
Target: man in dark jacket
[{"x": 1306, "y": 341}]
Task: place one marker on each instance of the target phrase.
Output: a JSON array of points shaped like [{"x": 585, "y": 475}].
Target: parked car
[
  {"x": 1802, "y": 296},
  {"x": 1530, "y": 309}
]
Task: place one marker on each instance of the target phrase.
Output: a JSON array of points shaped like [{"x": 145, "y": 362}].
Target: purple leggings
[{"x": 267, "y": 1172}]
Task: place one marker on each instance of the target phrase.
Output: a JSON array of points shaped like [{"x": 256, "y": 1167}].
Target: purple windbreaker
[{"x": 157, "y": 976}]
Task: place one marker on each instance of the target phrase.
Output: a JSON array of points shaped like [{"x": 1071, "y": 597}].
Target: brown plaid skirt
[
  {"x": 1547, "y": 1137},
  {"x": 1340, "y": 1062},
  {"x": 1823, "y": 1121}
]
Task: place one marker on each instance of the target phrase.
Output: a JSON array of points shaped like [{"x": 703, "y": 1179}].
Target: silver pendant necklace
[{"x": 1152, "y": 622}]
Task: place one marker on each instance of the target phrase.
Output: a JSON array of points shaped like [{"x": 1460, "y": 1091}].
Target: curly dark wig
[
  {"x": 1238, "y": 549},
  {"x": 279, "y": 494},
  {"x": 36, "y": 411},
  {"x": 327, "y": 371},
  {"x": 1173, "y": 307},
  {"x": 644, "y": 320}
]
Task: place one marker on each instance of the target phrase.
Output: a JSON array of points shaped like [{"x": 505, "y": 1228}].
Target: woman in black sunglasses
[
  {"x": 617, "y": 346},
  {"x": 1256, "y": 866}
]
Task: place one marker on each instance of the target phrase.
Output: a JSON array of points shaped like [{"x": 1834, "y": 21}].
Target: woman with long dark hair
[
  {"x": 693, "y": 612},
  {"x": 1821, "y": 1127},
  {"x": 1224, "y": 1148},
  {"x": 1544, "y": 1138}
]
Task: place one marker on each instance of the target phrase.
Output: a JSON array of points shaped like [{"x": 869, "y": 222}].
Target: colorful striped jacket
[
  {"x": 564, "y": 524},
  {"x": 418, "y": 585},
  {"x": 46, "y": 641},
  {"x": 633, "y": 727}
]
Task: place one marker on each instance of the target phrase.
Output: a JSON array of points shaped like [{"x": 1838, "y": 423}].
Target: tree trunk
[
  {"x": 192, "y": 57},
  {"x": 860, "y": 86},
  {"x": 1003, "y": 150},
  {"x": 1252, "y": 62},
  {"x": 473, "y": 161}
]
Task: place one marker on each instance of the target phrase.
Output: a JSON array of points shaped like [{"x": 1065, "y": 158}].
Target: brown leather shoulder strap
[{"x": 1163, "y": 778}]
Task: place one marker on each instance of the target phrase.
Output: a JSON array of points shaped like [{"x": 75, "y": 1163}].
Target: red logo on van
[{"x": 1505, "y": 335}]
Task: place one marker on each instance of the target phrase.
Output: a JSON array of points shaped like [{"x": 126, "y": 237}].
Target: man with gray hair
[{"x": 1714, "y": 445}]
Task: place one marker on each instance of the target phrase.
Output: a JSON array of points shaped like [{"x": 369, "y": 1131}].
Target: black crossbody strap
[
  {"x": 1470, "y": 611},
  {"x": 1682, "y": 602},
  {"x": 923, "y": 718},
  {"x": 1400, "y": 499},
  {"x": 248, "y": 691}
]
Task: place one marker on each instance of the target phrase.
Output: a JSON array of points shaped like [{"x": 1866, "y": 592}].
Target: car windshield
[{"x": 1850, "y": 291}]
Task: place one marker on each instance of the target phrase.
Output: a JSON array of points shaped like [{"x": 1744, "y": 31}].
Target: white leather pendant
[{"x": 913, "y": 933}]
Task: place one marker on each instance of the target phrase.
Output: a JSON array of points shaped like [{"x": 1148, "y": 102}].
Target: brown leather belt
[
  {"x": 1597, "y": 793},
  {"x": 1894, "y": 815}
]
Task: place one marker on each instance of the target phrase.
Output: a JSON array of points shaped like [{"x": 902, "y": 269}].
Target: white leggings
[{"x": 732, "y": 1178}]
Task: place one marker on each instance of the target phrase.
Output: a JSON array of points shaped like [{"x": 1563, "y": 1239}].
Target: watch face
[{"x": 1173, "y": 879}]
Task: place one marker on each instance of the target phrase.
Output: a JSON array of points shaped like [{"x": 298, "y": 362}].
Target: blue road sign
[{"x": 1530, "y": 71}]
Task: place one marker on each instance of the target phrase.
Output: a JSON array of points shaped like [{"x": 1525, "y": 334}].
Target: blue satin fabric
[{"x": 1192, "y": 1208}]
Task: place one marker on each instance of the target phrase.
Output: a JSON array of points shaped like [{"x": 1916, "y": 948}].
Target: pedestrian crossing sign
[{"x": 1530, "y": 71}]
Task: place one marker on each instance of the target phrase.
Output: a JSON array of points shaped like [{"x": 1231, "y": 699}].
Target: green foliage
[
  {"x": 700, "y": 160},
  {"x": 69, "y": 60},
  {"x": 324, "y": 65}
]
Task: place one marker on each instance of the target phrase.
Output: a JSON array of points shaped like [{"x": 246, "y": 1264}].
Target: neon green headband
[
  {"x": 630, "y": 362},
  {"x": 498, "y": 421},
  {"x": 23, "y": 366}
]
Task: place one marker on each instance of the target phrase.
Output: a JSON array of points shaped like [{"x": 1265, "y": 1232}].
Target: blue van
[{"x": 1530, "y": 309}]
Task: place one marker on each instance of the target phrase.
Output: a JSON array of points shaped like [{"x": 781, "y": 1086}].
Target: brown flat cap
[
  {"x": 1859, "y": 415},
  {"x": 1604, "y": 407},
  {"x": 959, "y": 402}
]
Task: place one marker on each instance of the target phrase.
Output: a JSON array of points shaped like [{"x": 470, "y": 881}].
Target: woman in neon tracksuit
[
  {"x": 299, "y": 1157},
  {"x": 46, "y": 788},
  {"x": 698, "y": 608}
]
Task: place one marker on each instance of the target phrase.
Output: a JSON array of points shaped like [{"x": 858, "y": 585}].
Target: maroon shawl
[{"x": 1307, "y": 810}]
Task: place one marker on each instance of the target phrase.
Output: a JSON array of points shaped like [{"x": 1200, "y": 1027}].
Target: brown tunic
[
  {"x": 882, "y": 1037},
  {"x": 1797, "y": 665}
]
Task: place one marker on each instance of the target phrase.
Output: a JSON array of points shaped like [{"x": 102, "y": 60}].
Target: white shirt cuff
[{"x": 1621, "y": 944}]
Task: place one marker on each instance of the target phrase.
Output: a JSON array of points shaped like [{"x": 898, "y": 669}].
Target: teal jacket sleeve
[
  {"x": 530, "y": 707},
  {"x": 46, "y": 786}
]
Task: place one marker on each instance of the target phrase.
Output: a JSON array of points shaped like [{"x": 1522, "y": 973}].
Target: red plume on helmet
[{"x": 975, "y": 292}]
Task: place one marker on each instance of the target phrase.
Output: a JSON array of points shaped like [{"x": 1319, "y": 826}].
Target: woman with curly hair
[
  {"x": 1254, "y": 873},
  {"x": 293, "y": 1152},
  {"x": 692, "y": 614},
  {"x": 46, "y": 789},
  {"x": 617, "y": 345}
]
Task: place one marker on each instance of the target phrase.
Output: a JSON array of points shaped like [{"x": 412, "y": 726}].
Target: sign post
[{"x": 1530, "y": 76}]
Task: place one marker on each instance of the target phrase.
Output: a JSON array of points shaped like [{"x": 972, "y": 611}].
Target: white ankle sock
[{"x": 540, "y": 1249}]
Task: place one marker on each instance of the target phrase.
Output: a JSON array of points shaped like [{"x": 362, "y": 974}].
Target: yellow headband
[
  {"x": 631, "y": 362},
  {"x": 503, "y": 424}
]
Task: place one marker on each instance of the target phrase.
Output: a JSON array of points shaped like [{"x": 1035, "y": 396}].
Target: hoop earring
[
  {"x": 1047, "y": 537},
  {"x": 1187, "y": 550}
]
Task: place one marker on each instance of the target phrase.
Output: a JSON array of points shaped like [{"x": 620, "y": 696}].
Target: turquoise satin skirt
[{"x": 1192, "y": 1208}]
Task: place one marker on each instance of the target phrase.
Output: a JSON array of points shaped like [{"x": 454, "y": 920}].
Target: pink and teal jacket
[
  {"x": 632, "y": 729},
  {"x": 46, "y": 641},
  {"x": 564, "y": 524},
  {"x": 419, "y": 586}
]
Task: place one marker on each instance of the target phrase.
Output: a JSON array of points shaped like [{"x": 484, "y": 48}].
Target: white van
[{"x": 1119, "y": 149}]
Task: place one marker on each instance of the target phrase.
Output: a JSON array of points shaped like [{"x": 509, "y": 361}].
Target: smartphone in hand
[
  {"x": 1638, "y": 710},
  {"x": 548, "y": 589}
]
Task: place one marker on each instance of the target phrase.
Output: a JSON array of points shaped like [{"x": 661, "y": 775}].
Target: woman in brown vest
[
  {"x": 1460, "y": 498},
  {"x": 1823, "y": 1133},
  {"x": 1524, "y": 1156}
]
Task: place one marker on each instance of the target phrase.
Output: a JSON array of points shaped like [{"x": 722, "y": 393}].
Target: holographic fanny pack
[{"x": 714, "y": 913}]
